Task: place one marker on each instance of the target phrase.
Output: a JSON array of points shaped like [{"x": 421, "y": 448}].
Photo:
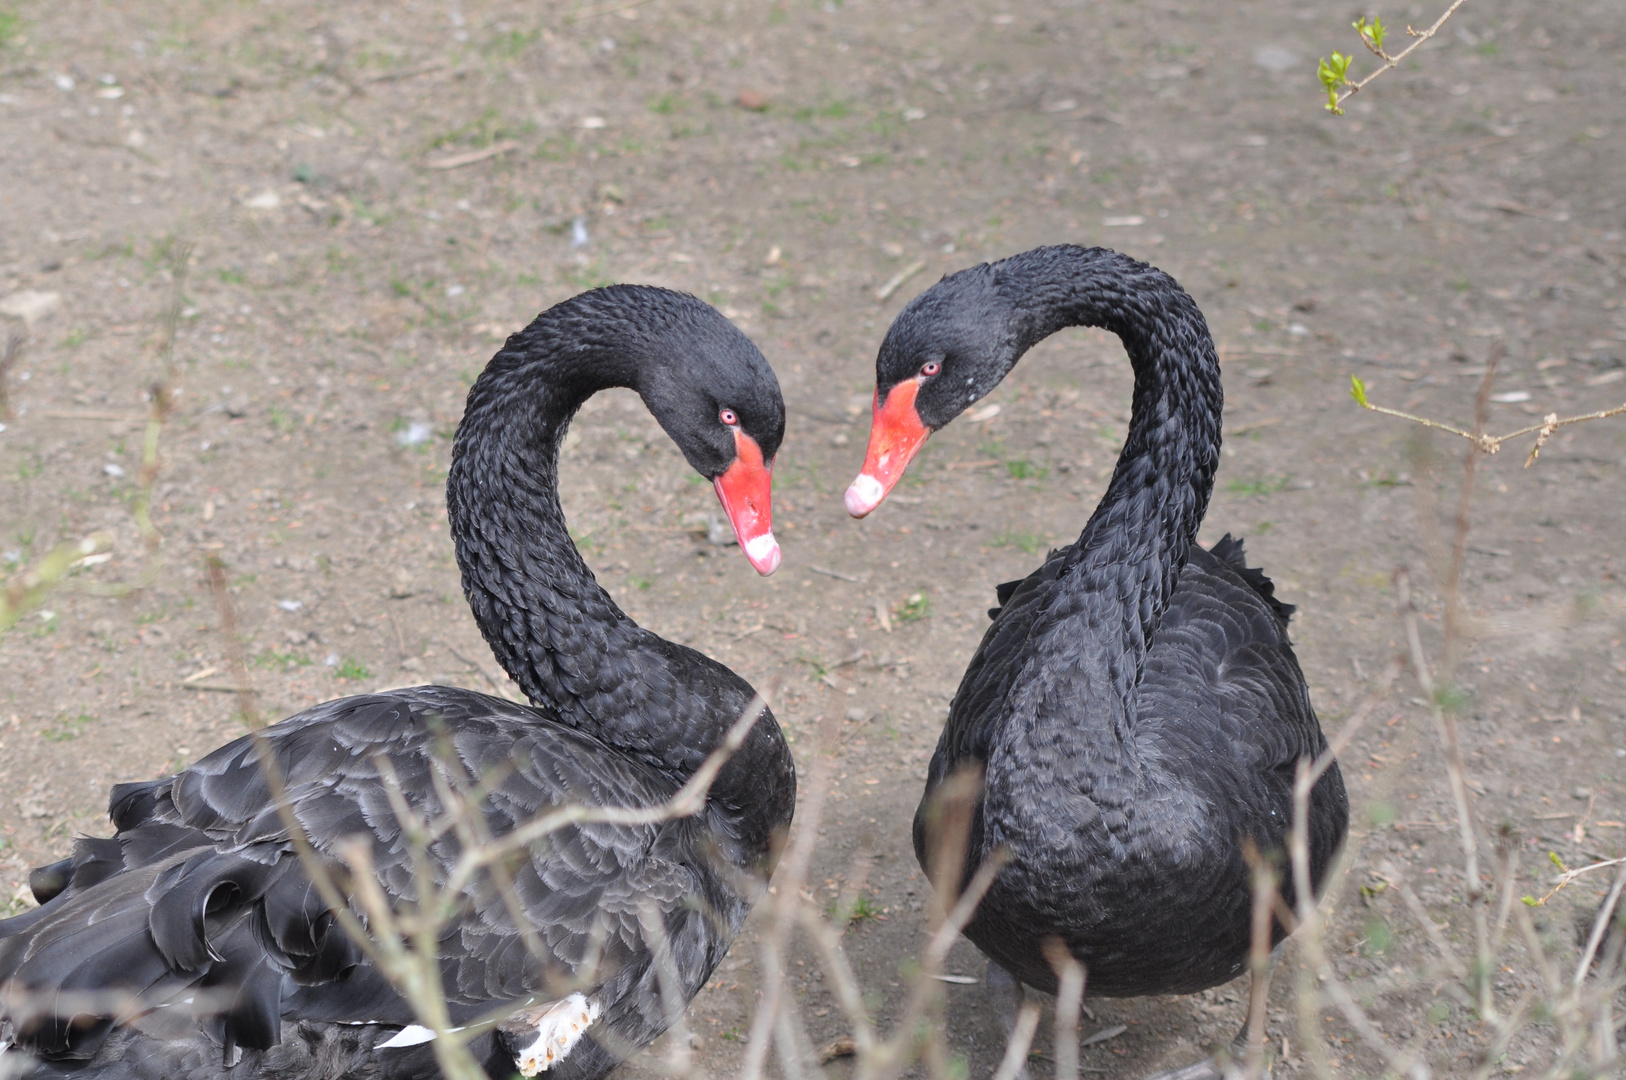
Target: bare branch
[
  {"x": 1599, "y": 926},
  {"x": 1489, "y": 444},
  {"x": 1069, "y": 1000}
]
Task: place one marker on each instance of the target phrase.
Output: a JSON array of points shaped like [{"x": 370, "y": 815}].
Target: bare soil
[{"x": 343, "y": 291}]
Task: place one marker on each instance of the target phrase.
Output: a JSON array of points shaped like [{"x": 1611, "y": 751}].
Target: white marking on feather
[
  {"x": 559, "y": 1027},
  {"x": 411, "y": 1035}
]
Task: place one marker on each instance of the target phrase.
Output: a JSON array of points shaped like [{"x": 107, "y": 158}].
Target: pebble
[
  {"x": 414, "y": 434},
  {"x": 31, "y": 306}
]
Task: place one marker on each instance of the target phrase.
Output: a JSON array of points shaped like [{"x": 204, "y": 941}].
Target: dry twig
[{"x": 1487, "y": 444}]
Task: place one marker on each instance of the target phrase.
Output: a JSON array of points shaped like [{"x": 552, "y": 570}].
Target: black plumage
[
  {"x": 1135, "y": 709},
  {"x": 193, "y": 944}
]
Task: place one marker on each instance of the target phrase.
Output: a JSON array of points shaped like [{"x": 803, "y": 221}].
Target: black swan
[
  {"x": 1135, "y": 708},
  {"x": 201, "y": 890}
]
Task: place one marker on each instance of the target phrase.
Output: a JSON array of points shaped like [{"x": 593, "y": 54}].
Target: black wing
[
  {"x": 1223, "y": 631},
  {"x": 201, "y": 890},
  {"x": 1221, "y": 685}
]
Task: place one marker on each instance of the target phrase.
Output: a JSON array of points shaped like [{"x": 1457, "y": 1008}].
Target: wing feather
[{"x": 201, "y": 887}]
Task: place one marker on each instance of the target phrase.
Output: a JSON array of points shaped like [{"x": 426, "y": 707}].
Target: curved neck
[
  {"x": 1129, "y": 556},
  {"x": 552, "y": 627},
  {"x": 550, "y": 624}
]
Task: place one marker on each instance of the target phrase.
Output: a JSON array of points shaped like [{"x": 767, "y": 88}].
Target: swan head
[
  {"x": 947, "y": 349},
  {"x": 715, "y": 395}
]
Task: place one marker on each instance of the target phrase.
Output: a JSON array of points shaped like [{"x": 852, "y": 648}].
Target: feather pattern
[
  {"x": 193, "y": 942},
  {"x": 1135, "y": 708}
]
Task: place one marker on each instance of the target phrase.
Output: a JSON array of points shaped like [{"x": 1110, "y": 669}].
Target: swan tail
[
  {"x": 209, "y": 934},
  {"x": 1229, "y": 550}
]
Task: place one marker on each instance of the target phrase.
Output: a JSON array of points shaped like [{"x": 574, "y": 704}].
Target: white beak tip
[
  {"x": 864, "y": 495},
  {"x": 763, "y": 551}
]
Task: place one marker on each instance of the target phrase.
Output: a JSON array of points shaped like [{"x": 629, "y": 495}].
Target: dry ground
[{"x": 343, "y": 291}]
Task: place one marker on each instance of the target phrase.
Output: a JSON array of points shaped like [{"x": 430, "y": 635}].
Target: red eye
[
  {"x": 930, "y": 368},
  {"x": 727, "y": 416}
]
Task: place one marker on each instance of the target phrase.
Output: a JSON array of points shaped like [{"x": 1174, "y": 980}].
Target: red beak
[
  {"x": 895, "y": 434},
  {"x": 745, "y": 489}
]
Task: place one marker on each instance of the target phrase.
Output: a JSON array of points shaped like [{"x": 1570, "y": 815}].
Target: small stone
[
  {"x": 31, "y": 306},
  {"x": 753, "y": 100},
  {"x": 1581, "y": 794},
  {"x": 414, "y": 434},
  {"x": 401, "y": 588}
]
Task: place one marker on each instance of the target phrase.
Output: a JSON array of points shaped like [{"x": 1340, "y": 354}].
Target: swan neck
[
  {"x": 551, "y": 626},
  {"x": 1135, "y": 544},
  {"x": 531, "y": 593}
]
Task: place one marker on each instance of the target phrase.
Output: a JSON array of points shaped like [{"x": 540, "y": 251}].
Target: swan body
[
  {"x": 192, "y": 943},
  {"x": 1135, "y": 711}
]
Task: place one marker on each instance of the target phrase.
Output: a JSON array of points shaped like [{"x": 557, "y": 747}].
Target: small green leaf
[
  {"x": 1357, "y": 390},
  {"x": 1334, "y": 71},
  {"x": 1530, "y": 901},
  {"x": 1553, "y": 855},
  {"x": 1328, "y": 76},
  {"x": 1372, "y": 33}
]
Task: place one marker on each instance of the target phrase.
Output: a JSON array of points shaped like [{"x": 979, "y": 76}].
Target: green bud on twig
[
  {"x": 1357, "y": 390},
  {"x": 1372, "y": 33}
]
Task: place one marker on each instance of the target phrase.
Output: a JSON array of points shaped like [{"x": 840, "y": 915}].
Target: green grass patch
[
  {"x": 1023, "y": 469},
  {"x": 913, "y": 608},
  {"x": 858, "y": 909},
  {"x": 353, "y": 669},
  {"x": 830, "y": 110},
  {"x": 67, "y": 728},
  {"x": 1028, "y": 542},
  {"x": 281, "y": 661},
  {"x": 487, "y": 128}
]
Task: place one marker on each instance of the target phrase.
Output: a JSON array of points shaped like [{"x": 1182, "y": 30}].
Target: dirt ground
[{"x": 354, "y": 266}]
